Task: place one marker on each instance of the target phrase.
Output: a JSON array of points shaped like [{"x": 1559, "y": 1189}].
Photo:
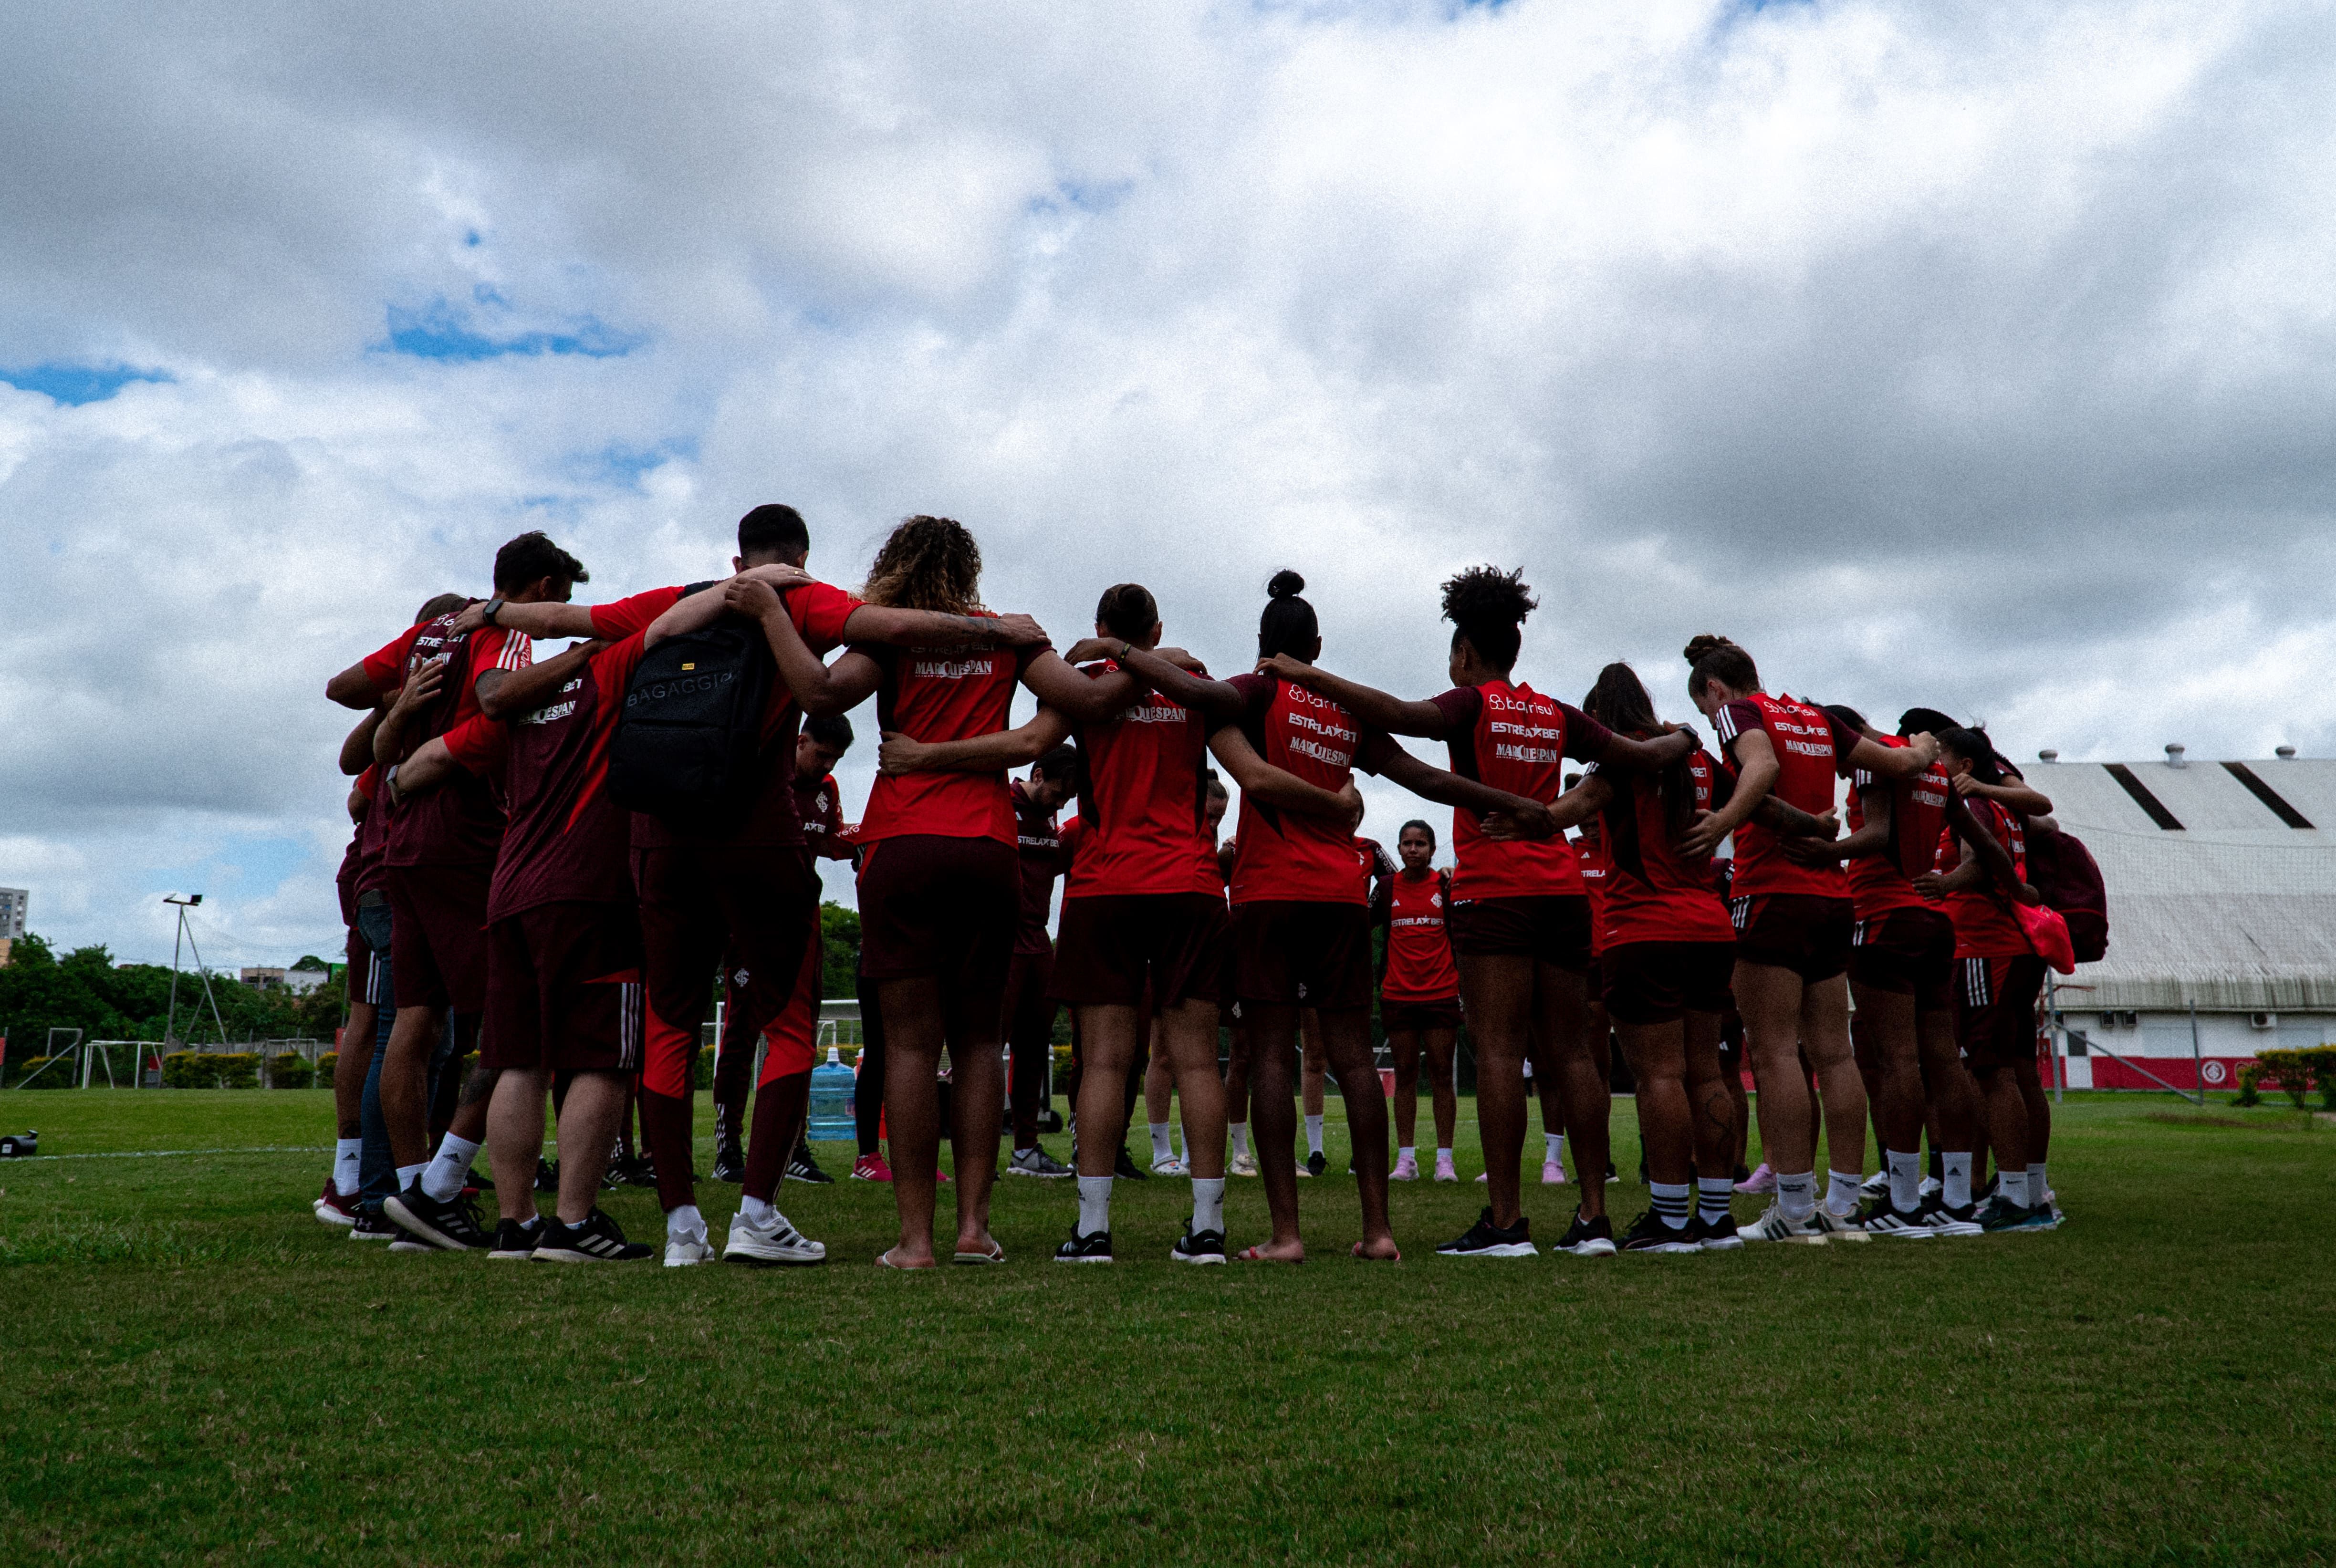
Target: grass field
[{"x": 194, "y": 1369}]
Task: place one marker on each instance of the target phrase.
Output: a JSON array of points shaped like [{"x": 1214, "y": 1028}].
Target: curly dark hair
[
  {"x": 927, "y": 563},
  {"x": 1715, "y": 658},
  {"x": 1488, "y": 607}
]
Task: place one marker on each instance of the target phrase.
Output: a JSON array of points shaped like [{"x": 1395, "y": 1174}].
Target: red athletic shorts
[
  {"x": 564, "y": 989},
  {"x": 438, "y": 941},
  {"x": 1995, "y": 1009},
  {"x": 1661, "y": 982},
  {"x": 1440, "y": 1013},
  {"x": 1554, "y": 928},
  {"x": 751, "y": 906},
  {"x": 946, "y": 907},
  {"x": 793, "y": 1038},
  {"x": 1907, "y": 952},
  {"x": 1295, "y": 954},
  {"x": 1113, "y": 943},
  {"x": 1802, "y": 932}
]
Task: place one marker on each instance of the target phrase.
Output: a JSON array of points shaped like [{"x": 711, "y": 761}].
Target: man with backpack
[{"x": 708, "y": 738}]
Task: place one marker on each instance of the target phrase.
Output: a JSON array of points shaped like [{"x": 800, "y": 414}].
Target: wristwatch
[
  {"x": 389, "y": 782},
  {"x": 1124, "y": 648},
  {"x": 494, "y": 608}
]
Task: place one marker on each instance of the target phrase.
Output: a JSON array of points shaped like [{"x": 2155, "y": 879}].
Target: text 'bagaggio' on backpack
[{"x": 689, "y": 743}]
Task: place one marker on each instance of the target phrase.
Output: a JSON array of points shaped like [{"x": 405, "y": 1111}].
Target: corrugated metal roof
[{"x": 2236, "y": 911}]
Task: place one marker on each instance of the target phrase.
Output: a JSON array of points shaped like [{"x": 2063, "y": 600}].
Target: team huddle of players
[{"x": 499, "y": 894}]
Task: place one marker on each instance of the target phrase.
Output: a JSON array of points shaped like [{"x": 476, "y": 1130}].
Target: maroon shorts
[
  {"x": 1029, "y": 1016},
  {"x": 1112, "y": 943},
  {"x": 564, "y": 989},
  {"x": 1995, "y": 1010},
  {"x": 1292, "y": 953},
  {"x": 1661, "y": 982},
  {"x": 364, "y": 976},
  {"x": 1907, "y": 952},
  {"x": 438, "y": 941},
  {"x": 945, "y": 907},
  {"x": 1797, "y": 931},
  {"x": 750, "y": 908},
  {"x": 1442, "y": 1013},
  {"x": 1554, "y": 928}
]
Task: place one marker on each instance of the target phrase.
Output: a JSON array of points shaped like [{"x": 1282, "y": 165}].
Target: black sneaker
[
  {"x": 1942, "y": 1221},
  {"x": 514, "y": 1241},
  {"x": 1485, "y": 1239},
  {"x": 478, "y": 1181},
  {"x": 451, "y": 1223},
  {"x": 1035, "y": 1161},
  {"x": 1589, "y": 1238},
  {"x": 2000, "y": 1214},
  {"x": 373, "y": 1225},
  {"x": 1096, "y": 1246},
  {"x": 1647, "y": 1233},
  {"x": 547, "y": 1175},
  {"x": 596, "y": 1239},
  {"x": 1714, "y": 1235},
  {"x": 1316, "y": 1164},
  {"x": 730, "y": 1165},
  {"x": 1127, "y": 1170},
  {"x": 804, "y": 1168},
  {"x": 1198, "y": 1246},
  {"x": 1878, "y": 1218},
  {"x": 640, "y": 1171}
]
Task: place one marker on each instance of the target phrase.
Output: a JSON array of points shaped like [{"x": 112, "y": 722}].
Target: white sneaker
[
  {"x": 1243, "y": 1164},
  {"x": 1443, "y": 1170},
  {"x": 773, "y": 1244},
  {"x": 1837, "y": 1227},
  {"x": 1552, "y": 1175},
  {"x": 681, "y": 1251},
  {"x": 1773, "y": 1226},
  {"x": 1876, "y": 1185}
]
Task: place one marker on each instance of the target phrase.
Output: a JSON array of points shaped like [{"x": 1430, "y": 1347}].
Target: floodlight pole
[{"x": 2198, "y": 1062}]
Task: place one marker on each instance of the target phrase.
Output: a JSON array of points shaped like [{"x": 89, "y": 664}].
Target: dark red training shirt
[
  {"x": 1420, "y": 967},
  {"x": 1812, "y": 751},
  {"x": 1984, "y": 925},
  {"x": 1296, "y": 856},
  {"x": 1917, "y": 816},
  {"x": 931, "y": 693},
  {"x": 567, "y": 838},
  {"x": 461, "y": 822},
  {"x": 1650, "y": 892},
  {"x": 1040, "y": 850},
  {"x": 1511, "y": 737},
  {"x": 1145, "y": 799}
]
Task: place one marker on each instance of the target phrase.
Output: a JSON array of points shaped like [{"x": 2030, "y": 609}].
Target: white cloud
[{"x": 1977, "y": 358}]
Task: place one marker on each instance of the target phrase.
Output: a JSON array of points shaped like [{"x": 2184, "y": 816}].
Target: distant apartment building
[
  {"x": 299, "y": 982},
  {"x": 12, "y": 912}
]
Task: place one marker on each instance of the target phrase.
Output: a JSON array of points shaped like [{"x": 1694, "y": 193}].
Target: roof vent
[
  {"x": 2047, "y": 755},
  {"x": 2284, "y": 753},
  {"x": 2174, "y": 750}
]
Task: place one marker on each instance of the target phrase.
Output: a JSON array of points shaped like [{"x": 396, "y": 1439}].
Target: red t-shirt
[
  {"x": 567, "y": 838},
  {"x": 1041, "y": 854},
  {"x": 371, "y": 845},
  {"x": 819, "y": 612},
  {"x": 1511, "y": 737},
  {"x": 1984, "y": 925},
  {"x": 1294, "y": 856},
  {"x": 624, "y": 617},
  {"x": 1918, "y": 812},
  {"x": 1650, "y": 892},
  {"x": 1420, "y": 967},
  {"x": 461, "y": 821},
  {"x": 818, "y": 806},
  {"x": 1145, "y": 799},
  {"x": 941, "y": 694},
  {"x": 1589, "y": 847},
  {"x": 1812, "y": 751}
]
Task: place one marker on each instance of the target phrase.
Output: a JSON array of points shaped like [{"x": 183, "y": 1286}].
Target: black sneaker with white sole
[
  {"x": 515, "y": 1240},
  {"x": 1485, "y": 1239},
  {"x": 596, "y": 1239},
  {"x": 451, "y": 1223},
  {"x": 373, "y": 1225},
  {"x": 804, "y": 1168},
  {"x": 729, "y": 1164},
  {"x": 1714, "y": 1235},
  {"x": 547, "y": 1175},
  {"x": 1317, "y": 1163},
  {"x": 1647, "y": 1233},
  {"x": 1198, "y": 1246},
  {"x": 1035, "y": 1161},
  {"x": 1126, "y": 1169},
  {"x": 1879, "y": 1218},
  {"x": 1095, "y": 1247},
  {"x": 1587, "y": 1238}
]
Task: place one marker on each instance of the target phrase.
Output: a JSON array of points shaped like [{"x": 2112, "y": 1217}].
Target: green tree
[{"x": 839, "y": 933}]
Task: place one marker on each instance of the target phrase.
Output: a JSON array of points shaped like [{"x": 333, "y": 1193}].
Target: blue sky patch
[
  {"x": 440, "y": 331},
  {"x": 74, "y": 384}
]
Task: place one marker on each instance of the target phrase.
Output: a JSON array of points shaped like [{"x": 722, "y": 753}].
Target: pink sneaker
[
  {"x": 1443, "y": 1170},
  {"x": 1552, "y": 1175},
  {"x": 1406, "y": 1168},
  {"x": 1762, "y": 1180},
  {"x": 870, "y": 1168}
]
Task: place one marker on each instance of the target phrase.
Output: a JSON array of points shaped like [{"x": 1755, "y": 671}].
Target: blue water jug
[{"x": 832, "y": 1085}]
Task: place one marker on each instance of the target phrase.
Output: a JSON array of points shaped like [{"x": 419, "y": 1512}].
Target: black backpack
[
  {"x": 688, "y": 747},
  {"x": 2061, "y": 869}
]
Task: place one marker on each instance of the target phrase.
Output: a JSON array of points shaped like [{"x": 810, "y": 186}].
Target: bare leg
[
  {"x": 1438, "y": 1046},
  {"x": 1825, "y": 1029},
  {"x": 1499, "y": 995},
  {"x": 515, "y": 1140},
  {"x": 1273, "y": 1041},
  {"x": 1584, "y": 1077},
  {"x": 1711, "y": 1109},
  {"x": 405, "y": 1082},
  {"x": 1769, "y": 998},
  {"x": 1657, "y": 1057},
  {"x": 1237, "y": 1074},
  {"x": 1188, "y": 1038},
  {"x": 350, "y": 1068},
  {"x": 912, "y": 1108},
  {"x": 1107, "y": 1039},
  {"x": 588, "y": 1114},
  {"x": 1886, "y": 1027},
  {"x": 979, "y": 1104},
  {"x": 1347, "y": 1046},
  {"x": 2007, "y": 1118},
  {"x": 1404, "y": 1046},
  {"x": 1316, "y": 1062}
]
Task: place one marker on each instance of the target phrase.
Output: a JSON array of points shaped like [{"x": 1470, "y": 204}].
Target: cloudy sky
[{"x": 1974, "y": 356}]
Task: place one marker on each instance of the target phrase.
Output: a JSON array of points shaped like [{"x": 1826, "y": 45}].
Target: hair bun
[
  {"x": 1705, "y": 643},
  {"x": 1286, "y": 584}
]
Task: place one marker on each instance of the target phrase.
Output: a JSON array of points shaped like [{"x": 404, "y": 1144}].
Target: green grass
[{"x": 195, "y": 1368}]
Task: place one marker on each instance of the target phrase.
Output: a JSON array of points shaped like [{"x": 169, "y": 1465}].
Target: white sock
[
  {"x": 1797, "y": 1195},
  {"x": 2036, "y": 1189},
  {"x": 1930, "y": 1184},
  {"x": 1313, "y": 1134},
  {"x": 1407, "y": 1153},
  {"x": 1209, "y": 1203},
  {"x": 1161, "y": 1149},
  {"x": 346, "y": 1154},
  {"x": 1443, "y": 1156},
  {"x": 443, "y": 1177},
  {"x": 1956, "y": 1191},
  {"x": 1905, "y": 1179},
  {"x": 1553, "y": 1147},
  {"x": 685, "y": 1224},
  {"x": 1239, "y": 1133},
  {"x": 409, "y": 1174},
  {"x": 1712, "y": 1194},
  {"x": 1841, "y": 1192},
  {"x": 2013, "y": 1185},
  {"x": 1670, "y": 1202},
  {"x": 1094, "y": 1205},
  {"x": 758, "y": 1211}
]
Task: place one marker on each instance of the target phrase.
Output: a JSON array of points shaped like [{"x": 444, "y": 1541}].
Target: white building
[
  {"x": 2222, "y": 893},
  {"x": 12, "y": 913}
]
